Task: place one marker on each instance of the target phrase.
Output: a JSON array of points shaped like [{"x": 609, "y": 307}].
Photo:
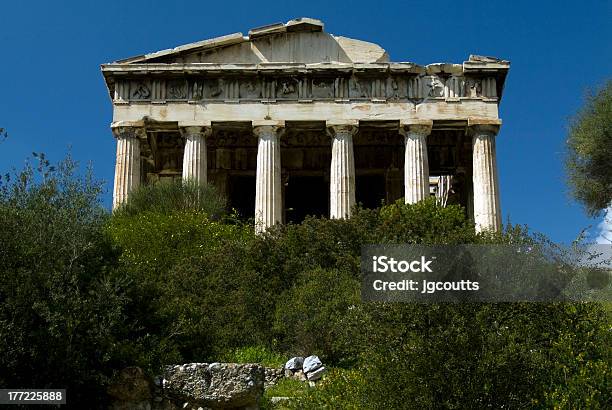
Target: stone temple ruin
[{"x": 290, "y": 121}]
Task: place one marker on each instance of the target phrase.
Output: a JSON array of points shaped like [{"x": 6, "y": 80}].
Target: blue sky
[{"x": 53, "y": 94}]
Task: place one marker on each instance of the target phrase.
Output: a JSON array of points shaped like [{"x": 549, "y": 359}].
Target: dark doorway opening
[
  {"x": 371, "y": 190},
  {"x": 306, "y": 195},
  {"x": 242, "y": 195}
]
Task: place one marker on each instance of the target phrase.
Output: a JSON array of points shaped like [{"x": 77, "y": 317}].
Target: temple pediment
[{"x": 297, "y": 41}]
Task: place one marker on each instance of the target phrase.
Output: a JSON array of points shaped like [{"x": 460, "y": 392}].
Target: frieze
[{"x": 392, "y": 87}]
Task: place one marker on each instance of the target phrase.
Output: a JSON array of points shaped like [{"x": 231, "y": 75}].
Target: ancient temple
[{"x": 290, "y": 121}]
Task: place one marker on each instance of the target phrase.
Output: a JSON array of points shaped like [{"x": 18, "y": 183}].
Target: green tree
[
  {"x": 62, "y": 322},
  {"x": 589, "y": 152}
]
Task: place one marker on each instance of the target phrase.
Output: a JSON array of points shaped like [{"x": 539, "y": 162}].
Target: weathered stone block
[{"x": 216, "y": 385}]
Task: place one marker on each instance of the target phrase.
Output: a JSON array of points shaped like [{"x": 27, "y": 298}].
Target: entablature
[{"x": 380, "y": 82}]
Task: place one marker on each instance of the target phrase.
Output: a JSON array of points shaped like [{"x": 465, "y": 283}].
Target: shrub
[
  {"x": 339, "y": 389},
  {"x": 187, "y": 285},
  {"x": 175, "y": 196},
  {"x": 62, "y": 311},
  {"x": 308, "y": 314}
]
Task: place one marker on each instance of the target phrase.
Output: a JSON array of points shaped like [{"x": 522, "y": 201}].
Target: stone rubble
[
  {"x": 309, "y": 369},
  {"x": 273, "y": 376},
  {"x": 294, "y": 364}
]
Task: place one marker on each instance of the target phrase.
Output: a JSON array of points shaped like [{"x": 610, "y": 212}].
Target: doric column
[
  {"x": 194, "y": 157},
  {"x": 342, "y": 172},
  {"x": 487, "y": 211},
  {"x": 268, "y": 194},
  {"x": 416, "y": 164},
  {"x": 127, "y": 166}
]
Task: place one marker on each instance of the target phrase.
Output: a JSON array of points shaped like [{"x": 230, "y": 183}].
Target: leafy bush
[
  {"x": 186, "y": 286},
  {"x": 173, "y": 196},
  {"x": 62, "y": 311},
  {"x": 424, "y": 222},
  {"x": 339, "y": 389},
  {"x": 308, "y": 314}
]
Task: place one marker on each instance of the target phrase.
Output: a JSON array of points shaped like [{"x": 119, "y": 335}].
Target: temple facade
[{"x": 290, "y": 121}]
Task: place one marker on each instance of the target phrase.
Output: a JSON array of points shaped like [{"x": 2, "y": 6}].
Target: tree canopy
[{"x": 589, "y": 152}]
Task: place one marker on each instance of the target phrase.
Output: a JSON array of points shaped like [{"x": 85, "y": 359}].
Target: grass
[{"x": 255, "y": 354}]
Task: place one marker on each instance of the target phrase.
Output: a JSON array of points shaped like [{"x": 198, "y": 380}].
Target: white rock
[
  {"x": 295, "y": 363},
  {"x": 311, "y": 363},
  {"x": 316, "y": 374}
]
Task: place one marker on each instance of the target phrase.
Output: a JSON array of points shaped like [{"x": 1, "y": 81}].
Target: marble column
[
  {"x": 416, "y": 164},
  {"x": 268, "y": 189},
  {"x": 194, "y": 157},
  {"x": 342, "y": 172},
  {"x": 487, "y": 211},
  {"x": 127, "y": 166}
]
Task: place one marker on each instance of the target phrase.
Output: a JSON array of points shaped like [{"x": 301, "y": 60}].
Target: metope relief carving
[
  {"x": 473, "y": 88},
  {"x": 323, "y": 88},
  {"x": 360, "y": 88},
  {"x": 176, "y": 89},
  {"x": 215, "y": 88},
  {"x": 204, "y": 89},
  {"x": 287, "y": 88},
  {"x": 433, "y": 87},
  {"x": 140, "y": 90},
  {"x": 250, "y": 89}
]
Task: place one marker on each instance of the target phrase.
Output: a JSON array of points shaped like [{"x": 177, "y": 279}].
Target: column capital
[
  {"x": 483, "y": 126},
  {"x": 125, "y": 130},
  {"x": 265, "y": 128},
  {"x": 204, "y": 131},
  {"x": 420, "y": 127},
  {"x": 335, "y": 127}
]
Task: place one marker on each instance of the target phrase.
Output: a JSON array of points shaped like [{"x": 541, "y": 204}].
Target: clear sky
[{"x": 53, "y": 96}]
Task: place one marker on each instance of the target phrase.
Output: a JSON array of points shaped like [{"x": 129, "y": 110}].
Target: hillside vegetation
[{"x": 84, "y": 293}]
